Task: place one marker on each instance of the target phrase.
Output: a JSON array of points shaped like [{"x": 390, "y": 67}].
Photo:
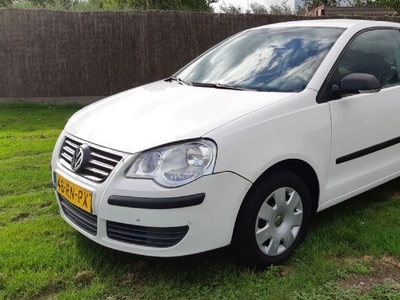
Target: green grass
[{"x": 41, "y": 257}]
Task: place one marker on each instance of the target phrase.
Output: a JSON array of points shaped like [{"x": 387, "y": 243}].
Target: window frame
[{"x": 323, "y": 93}]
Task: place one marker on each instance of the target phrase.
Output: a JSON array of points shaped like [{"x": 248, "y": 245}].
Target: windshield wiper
[
  {"x": 219, "y": 86},
  {"x": 210, "y": 85},
  {"x": 174, "y": 78}
]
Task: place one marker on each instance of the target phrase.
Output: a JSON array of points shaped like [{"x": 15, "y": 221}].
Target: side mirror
[{"x": 356, "y": 83}]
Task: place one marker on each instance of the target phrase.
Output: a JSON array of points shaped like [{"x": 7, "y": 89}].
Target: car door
[{"x": 365, "y": 126}]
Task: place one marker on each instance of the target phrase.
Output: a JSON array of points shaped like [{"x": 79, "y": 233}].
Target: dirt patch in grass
[
  {"x": 84, "y": 278},
  {"x": 19, "y": 217},
  {"x": 134, "y": 275},
  {"x": 382, "y": 270}
]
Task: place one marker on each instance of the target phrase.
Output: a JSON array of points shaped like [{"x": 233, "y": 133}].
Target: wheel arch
[
  {"x": 298, "y": 167},
  {"x": 294, "y": 172},
  {"x": 305, "y": 172}
]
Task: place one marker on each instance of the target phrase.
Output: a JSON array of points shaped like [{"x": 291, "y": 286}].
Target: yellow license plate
[{"x": 73, "y": 193}]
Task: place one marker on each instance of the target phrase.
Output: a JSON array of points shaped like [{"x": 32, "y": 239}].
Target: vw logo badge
[{"x": 80, "y": 157}]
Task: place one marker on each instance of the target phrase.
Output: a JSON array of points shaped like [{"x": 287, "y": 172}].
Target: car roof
[{"x": 341, "y": 23}]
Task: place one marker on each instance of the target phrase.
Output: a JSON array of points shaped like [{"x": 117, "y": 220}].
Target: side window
[{"x": 375, "y": 52}]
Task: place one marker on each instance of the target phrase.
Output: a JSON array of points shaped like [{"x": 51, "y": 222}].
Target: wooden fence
[{"x": 45, "y": 53}]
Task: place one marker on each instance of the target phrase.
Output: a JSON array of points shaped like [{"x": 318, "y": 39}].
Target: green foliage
[
  {"x": 315, "y": 3},
  {"x": 53, "y": 4},
  {"x": 257, "y": 8},
  {"x": 118, "y": 4},
  {"x": 281, "y": 9},
  {"x": 23, "y": 4},
  {"x": 5, "y": 3},
  {"x": 230, "y": 8},
  {"x": 394, "y": 4},
  {"x": 309, "y": 4},
  {"x": 197, "y": 5},
  {"x": 191, "y": 5},
  {"x": 365, "y": 3}
]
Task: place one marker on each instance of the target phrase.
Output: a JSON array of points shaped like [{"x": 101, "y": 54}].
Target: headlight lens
[{"x": 175, "y": 165}]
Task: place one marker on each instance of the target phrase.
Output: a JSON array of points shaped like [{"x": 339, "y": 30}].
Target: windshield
[{"x": 265, "y": 59}]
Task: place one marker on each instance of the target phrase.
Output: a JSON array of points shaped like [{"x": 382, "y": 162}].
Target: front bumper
[{"x": 139, "y": 216}]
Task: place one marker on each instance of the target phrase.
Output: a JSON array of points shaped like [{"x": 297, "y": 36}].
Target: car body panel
[
  {"x": 299, "y": 125},
  {"x": 253, "y": 132},
  {"x": 359, "y": 122},
  {"x": 224, "y": 193},
  {"x": 161, "y": 113}
]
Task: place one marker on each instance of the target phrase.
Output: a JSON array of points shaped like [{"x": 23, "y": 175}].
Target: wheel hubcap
[{"x": 278, "y": 221}]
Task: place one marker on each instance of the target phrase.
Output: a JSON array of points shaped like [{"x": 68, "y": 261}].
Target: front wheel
[{"x": 273, "y": 220}]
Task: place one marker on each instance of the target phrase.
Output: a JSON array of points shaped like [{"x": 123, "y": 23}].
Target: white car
[{"x": 242, "y": 146}]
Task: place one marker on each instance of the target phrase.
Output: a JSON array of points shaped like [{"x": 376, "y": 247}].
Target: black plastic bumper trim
[{"x": 157, "y": 203}]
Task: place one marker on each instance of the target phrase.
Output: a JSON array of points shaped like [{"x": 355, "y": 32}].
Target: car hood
[{"x": 161, "y": 113}]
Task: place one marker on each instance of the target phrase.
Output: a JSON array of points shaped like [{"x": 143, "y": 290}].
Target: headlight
[{"x": 177, "y": 164}]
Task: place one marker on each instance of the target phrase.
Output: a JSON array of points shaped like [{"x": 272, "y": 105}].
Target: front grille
[
  {"x": 146, "y": 236},
  {"x": 99, "y": 166},
  {"x": 81, "y": 218}
]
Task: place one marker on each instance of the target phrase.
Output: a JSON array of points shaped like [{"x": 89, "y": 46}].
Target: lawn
[{"x": 352, "y": 250}]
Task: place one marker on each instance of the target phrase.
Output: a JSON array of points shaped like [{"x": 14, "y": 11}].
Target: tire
[{"x": 273, "y": 220}]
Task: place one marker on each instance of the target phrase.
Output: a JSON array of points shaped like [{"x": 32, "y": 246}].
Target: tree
[
  {"x": 5, "y": 3},
  {"x": 231, "y": 9},
  {"x": 394, "y": 4},
  {"x": 364, "y": 3},
  {"x": 57, "y": 4},
  {"x": 308, "y": 4},
  {"x": 194, "y": 5},
  {"x": 281, "y": 9},
  {"x": 257, "y": 8}
]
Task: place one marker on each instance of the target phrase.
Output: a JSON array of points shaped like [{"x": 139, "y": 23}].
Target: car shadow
[
  {"x": 104, "y": 260},
  {"x": 217, "y": 262}
]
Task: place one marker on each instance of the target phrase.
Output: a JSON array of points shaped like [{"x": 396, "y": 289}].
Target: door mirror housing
[{"x": 356, "y": 83}]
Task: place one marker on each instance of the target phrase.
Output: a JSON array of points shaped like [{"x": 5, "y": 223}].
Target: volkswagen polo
[{"x": 240, "y": 147}]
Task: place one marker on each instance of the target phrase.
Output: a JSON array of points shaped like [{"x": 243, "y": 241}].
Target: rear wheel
[{"x": 273, "y": 220}]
